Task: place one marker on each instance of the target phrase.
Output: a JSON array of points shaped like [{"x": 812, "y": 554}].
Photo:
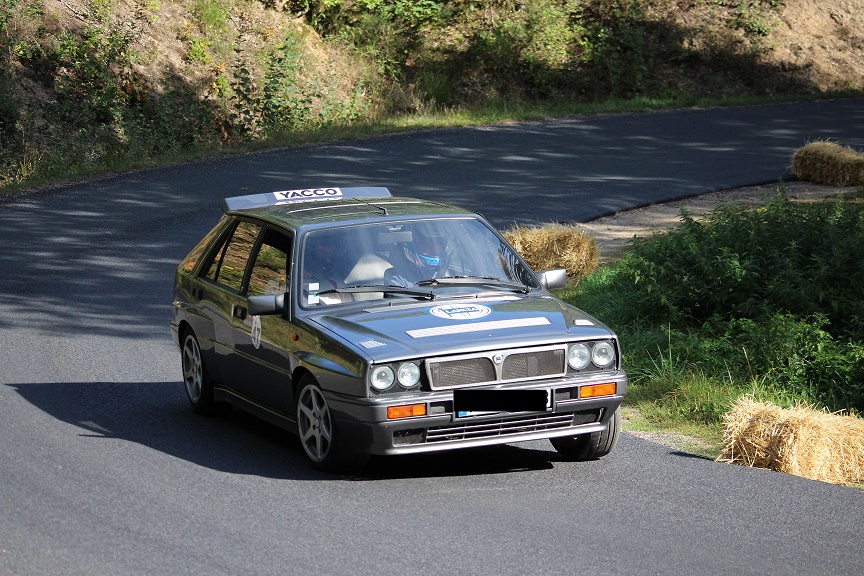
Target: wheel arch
[
  {"x": 183, "y": 328},
  {"x": 300, "y": 372}
]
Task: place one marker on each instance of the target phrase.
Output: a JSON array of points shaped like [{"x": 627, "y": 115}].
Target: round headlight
[
  {"x": 408, "y": 375},
  {"x": 603, "y": 354},
  {"x": 579, "y": 356},
  {"x": 382, "y": 377}
]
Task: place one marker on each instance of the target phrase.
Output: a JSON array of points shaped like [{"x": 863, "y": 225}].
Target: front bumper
[{"x": 364, "y": 422}]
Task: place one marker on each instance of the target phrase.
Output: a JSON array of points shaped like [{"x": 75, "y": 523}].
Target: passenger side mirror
[
  {"x": 267, "y": 304},
  {"x": 555, "y": 278}
]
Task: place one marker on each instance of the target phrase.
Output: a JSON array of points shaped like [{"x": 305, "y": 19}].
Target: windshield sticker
[
  {"x": 460, "y": 311},
  {"x": 306, "y": 194},
  {"x": 256, "y": 332},
  {"x": 477, "y": 327},
  {"x": 312, "y": 297}
]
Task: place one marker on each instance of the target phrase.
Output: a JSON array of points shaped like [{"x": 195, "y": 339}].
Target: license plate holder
[{"x": 482, "y": 402}]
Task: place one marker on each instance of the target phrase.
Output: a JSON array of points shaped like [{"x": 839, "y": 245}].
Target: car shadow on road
[
  {"x": 501, "y": 459},
  {"x": 156, "y": 415}
]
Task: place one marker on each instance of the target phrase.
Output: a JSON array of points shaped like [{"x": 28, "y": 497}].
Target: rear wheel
[
  {"x": 593, "y": 445},
  {"x": 319, "y": 434},
  {"x": 199, "y": 387}
]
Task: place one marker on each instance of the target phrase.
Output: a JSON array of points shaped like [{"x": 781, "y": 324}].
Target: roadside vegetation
[
  {"x": 764, "y": 303},
  {"x": 94, "y": 86}
]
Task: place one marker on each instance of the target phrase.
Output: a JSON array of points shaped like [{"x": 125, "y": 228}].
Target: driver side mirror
[
  {"x": 555, "y": 278},
  {"x": 266, "y": 304}
]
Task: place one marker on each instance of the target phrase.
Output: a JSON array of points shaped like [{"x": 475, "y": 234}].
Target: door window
[{"x": 269, "y": 273}]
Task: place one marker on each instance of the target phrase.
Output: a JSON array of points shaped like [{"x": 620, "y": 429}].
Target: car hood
[{"x": 387, "y": 333}]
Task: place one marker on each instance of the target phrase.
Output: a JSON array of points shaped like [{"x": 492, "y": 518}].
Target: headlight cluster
[
  {"x": 406, "y": 374},
  {"x": 583, "y": 354}
]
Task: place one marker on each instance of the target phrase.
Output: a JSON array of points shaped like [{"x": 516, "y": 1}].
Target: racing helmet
[{"x": 426, "y": 250}]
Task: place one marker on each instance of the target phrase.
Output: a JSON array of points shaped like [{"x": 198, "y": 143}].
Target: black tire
[
  {"x": 319, "y": 435},
  {"x": 199, "y": 387},
  {"x": 593, "y": 445}
]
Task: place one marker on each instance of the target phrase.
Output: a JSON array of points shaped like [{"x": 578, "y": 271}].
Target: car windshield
[{"x": 410, "y": 259}]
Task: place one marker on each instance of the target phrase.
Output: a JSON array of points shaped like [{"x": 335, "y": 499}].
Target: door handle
[
  {"x": 198, "y": 292},
  {"x": 239, "y": 312}
]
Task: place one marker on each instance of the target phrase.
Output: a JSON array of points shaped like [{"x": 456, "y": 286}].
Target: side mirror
[
  {"x": 267, "y": 304},
  {"x": 556, "y": 278}
]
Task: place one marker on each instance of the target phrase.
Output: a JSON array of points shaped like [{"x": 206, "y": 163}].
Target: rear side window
[
  {"x": 229, "y": 263},
  {"x": 191, "y": 261}
]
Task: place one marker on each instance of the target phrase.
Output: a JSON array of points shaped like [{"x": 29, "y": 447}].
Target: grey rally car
[{"x": 371, "y": 324}]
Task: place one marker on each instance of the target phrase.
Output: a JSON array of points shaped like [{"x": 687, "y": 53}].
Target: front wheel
[
  {"x": 319, "y": 434},
  {"x": 593, "y": 445}
]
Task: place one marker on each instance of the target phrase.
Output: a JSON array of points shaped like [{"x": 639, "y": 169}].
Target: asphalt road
[{"x": 104, "y": 469}]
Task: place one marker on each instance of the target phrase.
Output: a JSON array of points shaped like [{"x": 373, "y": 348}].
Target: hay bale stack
[
  {"x": 829, "y": 163},
  {"x": 800, "y": 441},
  {"x": 556, "y": 246}
]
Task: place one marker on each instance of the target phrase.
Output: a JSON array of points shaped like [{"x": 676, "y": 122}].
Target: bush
[
  {"x": 614, "y": 43},
  {"x": 797, "y": 356},
  {"x": 762, "y": 300},
  {"x": 743, "y": 263}
]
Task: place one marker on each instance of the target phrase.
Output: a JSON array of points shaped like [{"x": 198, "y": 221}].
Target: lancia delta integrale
[{"x": 371, "y": 324}]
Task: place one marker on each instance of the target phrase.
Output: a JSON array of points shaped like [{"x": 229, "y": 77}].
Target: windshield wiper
[
  {"x": 476, "y": 281},
  {"x": 427, "y": 294}
]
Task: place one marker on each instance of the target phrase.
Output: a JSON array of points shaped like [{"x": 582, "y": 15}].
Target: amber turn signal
[
  {"x": 406, "y": 411},
  {"x": 595, "y": 390}
]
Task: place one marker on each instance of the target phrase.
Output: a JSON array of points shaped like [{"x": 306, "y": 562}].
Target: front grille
[
  {"x": 533, "y": 364},
  {"x": 497, "y": 366},
  {"x": 499, "y": 427},
  {"x": 466, "y": 371}
]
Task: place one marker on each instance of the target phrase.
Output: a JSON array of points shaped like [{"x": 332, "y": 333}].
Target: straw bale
[
  {"x": 801, "y": 441},
  {"x": 825, "y": 162},
  {"x": 556, "y": 246}
]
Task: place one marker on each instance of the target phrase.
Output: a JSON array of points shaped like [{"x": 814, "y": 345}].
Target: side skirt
[{"x": 278, "y": 419}]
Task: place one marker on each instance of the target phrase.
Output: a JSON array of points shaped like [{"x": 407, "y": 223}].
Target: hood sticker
[
  {"x": 372, "y": 344},
  {"x": 477, "y": 327},
  {"x": 460, "y": 311}
]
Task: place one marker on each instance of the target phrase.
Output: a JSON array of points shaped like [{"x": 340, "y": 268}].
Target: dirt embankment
[
  {"x": 814, "y": 44},
  {"x": 824, "y": 40}
]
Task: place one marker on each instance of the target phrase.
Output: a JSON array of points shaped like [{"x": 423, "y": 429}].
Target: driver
[{"x": 420, "y": 259}]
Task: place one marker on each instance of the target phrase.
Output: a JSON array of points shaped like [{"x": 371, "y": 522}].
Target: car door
[
  {"x": 262, "y": 362},
  {"x": 222, "y": 284}
]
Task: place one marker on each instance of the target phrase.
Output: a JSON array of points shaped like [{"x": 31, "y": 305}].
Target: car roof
[{"x": 352, "y": 204}]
